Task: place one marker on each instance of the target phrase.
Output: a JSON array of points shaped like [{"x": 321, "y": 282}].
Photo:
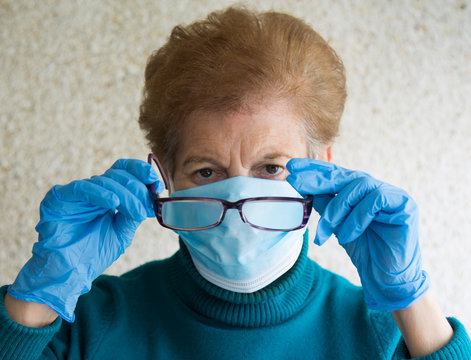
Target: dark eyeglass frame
[{"x": 158, "y": 203}]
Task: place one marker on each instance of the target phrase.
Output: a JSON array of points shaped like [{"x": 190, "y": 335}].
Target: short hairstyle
[{"x": 222, "y": 62}]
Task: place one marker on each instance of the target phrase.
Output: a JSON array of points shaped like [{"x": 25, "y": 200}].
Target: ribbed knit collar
[{"x": 271, "y": 305}]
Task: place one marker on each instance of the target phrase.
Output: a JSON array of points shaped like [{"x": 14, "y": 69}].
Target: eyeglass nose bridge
[{"x": 236, "y": 205}]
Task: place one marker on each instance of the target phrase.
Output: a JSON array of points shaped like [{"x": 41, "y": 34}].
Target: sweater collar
[{"x": 273, "y": 304}]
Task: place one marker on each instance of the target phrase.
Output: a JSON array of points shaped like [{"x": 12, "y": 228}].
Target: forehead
[{"x": 265, "y": 125}]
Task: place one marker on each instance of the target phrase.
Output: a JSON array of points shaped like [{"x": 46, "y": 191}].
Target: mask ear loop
[{"x": 151, "y": 157}]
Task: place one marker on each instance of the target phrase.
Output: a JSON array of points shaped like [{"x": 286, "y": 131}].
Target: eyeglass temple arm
[{"x": 151, "y": 157}]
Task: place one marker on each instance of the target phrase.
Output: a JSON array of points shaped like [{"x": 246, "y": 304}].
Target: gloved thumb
[
  {"x": 125, "y": 227},
  {"x": 323, "y": 232}
]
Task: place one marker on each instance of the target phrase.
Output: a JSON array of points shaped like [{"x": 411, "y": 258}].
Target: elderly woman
[{"x": 241, "y": 109}]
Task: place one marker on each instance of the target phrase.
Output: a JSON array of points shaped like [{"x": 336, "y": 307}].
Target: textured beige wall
[{"x": 70, "y": 80}]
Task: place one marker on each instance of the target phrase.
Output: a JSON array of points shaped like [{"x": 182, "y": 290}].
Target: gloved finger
[
  {"x": 401, "y": 208},
  {"x": 125, "y": 228},
  {"x": 320, "y": 202},
  {"x": 304, "y": 164},
  {"x": 340, "y": 207},
  {"x": 140, "y": 169},
  {"x": 385, "y": 204},
  {"x": 129, "y": 205},
  {"x": 134, "y": 185},
  {"x": 315, "y": 177},
  {"x": 60, "y": 198}
]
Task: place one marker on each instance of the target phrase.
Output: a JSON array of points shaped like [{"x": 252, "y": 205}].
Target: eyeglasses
[{"x": 272, "y": 213}]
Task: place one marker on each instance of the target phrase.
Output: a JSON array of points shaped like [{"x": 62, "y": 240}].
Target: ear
[
  {"x": 329, "y": 153},
  {"x": 326, "y": 153}
]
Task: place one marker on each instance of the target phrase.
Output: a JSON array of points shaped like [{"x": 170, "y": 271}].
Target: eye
[
  {"x": 205, "y": 173},
  {"x": 271, "y": 169}
]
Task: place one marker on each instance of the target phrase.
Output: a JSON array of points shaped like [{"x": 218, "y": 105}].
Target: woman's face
[{"x": 256, "y": 143}]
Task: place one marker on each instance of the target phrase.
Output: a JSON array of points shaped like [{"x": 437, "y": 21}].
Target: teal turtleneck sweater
[{"x": 166, "y": 310}]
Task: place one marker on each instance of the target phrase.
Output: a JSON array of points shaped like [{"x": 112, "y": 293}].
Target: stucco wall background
[{"x": 71, "y": 74}]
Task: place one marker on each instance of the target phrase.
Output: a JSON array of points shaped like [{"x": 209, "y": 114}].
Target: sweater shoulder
[
  {"x": 138, "y": 283},
  {"x": 335, "y": 286},
  {"x": 343, "y": 303},
  {"x": 112, "y": 297},
  {"x": 113, "y": 307},
  {"x": 151, "y": 268}
]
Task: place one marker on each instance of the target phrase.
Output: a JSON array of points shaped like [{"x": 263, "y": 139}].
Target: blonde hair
[{"x": 222, "y": 62}]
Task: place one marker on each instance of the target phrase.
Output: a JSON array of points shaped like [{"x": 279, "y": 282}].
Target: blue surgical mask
[{"x": 234, "y": 255}]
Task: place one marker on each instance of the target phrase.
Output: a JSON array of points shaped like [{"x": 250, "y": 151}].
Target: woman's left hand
[{"x": 376, "y": 223}]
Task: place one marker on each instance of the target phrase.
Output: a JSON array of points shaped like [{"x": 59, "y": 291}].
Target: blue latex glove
[
  {"x": 84, "y": 227},
  {"x": 376, "y": 223}
]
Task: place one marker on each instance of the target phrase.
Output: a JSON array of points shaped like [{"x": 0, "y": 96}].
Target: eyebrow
[
  {"x": 200, "y": 159},
  {"x": 272, "y": 156}
]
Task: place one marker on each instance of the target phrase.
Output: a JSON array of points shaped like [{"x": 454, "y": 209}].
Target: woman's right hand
[{"x": 84, "y": 227}]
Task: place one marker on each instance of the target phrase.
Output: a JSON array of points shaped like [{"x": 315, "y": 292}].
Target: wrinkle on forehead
[{"x": 241, "y": 136}]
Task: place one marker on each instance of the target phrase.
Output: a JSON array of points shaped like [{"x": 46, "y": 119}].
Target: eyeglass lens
[
  {"x": 269, "y": 214},
  {"x": 272, "y": 214},
  {"x": 197, "y": 214}
]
